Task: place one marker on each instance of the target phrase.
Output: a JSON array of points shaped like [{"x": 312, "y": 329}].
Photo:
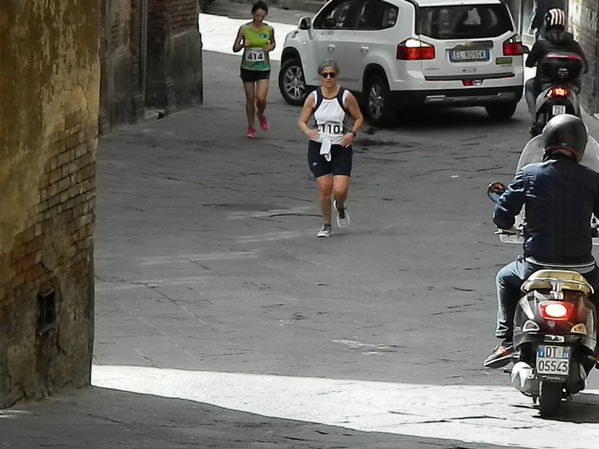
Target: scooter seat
[{"x": 557, "y": 280}]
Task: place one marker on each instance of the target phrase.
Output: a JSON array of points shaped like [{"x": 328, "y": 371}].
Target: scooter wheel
[{"x": 550, "y": 399}]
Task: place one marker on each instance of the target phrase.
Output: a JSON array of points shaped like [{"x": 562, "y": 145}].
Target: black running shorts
[
  {"x": 340, "y": 163},
  {"x": 251, "y": 76}
]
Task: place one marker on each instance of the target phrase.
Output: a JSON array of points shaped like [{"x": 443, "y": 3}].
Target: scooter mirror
[{"x": 495, "y": 190}]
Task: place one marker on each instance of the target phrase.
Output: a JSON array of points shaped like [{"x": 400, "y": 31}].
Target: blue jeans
[
  {"x": 530, "y": 94},
  {"x": 509, "y": 280}
]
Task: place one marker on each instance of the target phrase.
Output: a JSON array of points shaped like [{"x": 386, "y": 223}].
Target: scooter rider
[
  {"x": 538, "y": 19},
  {"x": 559, "y": 195},
  {"x": 556, "y": 39}
]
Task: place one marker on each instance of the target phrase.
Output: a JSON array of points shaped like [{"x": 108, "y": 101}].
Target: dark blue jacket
[{"x": 559, "y": 196}]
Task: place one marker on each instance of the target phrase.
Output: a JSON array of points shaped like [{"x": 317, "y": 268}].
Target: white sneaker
[
  {"x": 342, "y": 216},
  {"x": 325, "y": 231}
]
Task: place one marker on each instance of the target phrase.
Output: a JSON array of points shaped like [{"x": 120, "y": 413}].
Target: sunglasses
[{"x": 328, "y": 74}]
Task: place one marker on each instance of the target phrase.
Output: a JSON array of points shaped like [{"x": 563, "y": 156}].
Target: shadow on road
[
  {"x": 102, "y": 418},
  {"x": 582, "y": 409},
  {"x": 445, "y": 118}
]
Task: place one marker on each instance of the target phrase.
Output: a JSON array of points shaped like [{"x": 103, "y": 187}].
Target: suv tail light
[
  {"x": 556, "y": 310},
  {"x": 512, "y": 47},
  {"x": 415, "y": 49}
]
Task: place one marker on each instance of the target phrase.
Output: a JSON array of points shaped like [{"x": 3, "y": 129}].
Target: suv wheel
[
  {"x": 292, "y": 83},
  {"x": 502, "y": 111},
  {"x": 378, "y": 101}
]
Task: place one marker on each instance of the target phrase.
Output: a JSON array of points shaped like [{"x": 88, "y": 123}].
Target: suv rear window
[{"x": 471, "y": 21}]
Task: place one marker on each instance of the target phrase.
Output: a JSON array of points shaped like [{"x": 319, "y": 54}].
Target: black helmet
[
  {"x": 567, "y": 133},
  {"x": 555, "y": 18}
]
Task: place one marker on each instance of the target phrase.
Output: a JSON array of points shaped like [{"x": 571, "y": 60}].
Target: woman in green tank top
[{"x": 257, "y": 39}]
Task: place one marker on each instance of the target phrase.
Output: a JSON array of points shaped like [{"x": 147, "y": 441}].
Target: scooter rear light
[
  {"x": 571, "y": 57},
  {"x": 556, "y": 310},
  {"x": 558, "y": 92},
  {"x": 414, "y": 49}
]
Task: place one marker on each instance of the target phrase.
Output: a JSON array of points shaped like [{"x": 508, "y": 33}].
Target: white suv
[{"x": 399, "y": 53}]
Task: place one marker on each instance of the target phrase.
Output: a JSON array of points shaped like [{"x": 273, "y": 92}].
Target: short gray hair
[{"x": 328, "y": 63}]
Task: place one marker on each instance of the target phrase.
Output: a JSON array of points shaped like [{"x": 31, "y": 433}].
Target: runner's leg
[
  {"x": 340, "y": 189},
  {"x": 324, "y": 184},
  {"x": 261, "y": 93},
  {"x": 250, "y": 100}
]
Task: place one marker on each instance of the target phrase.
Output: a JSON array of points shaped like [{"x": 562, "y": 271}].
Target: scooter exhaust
[{"x": 522, "y": 377}]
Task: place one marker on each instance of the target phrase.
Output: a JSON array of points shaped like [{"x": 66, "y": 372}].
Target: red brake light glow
[
  {"x": 556, "y": 310},
  {"x": 558, "y": 56},
  {"x": 558, "y": 92},
  {"x": 512, "y": 49},
  {"x": 415, "y": 49}
]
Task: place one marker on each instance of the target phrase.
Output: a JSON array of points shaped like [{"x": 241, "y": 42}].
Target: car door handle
[
  {"x": 331, "y": 47},
  {"x": 364, "y": 49}
]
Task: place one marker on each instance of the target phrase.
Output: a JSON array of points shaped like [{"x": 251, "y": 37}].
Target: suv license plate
[
  {"x": 468, "y": 55},
  {"x": 559, "y": 109},
  {"x": 553, "y": 360}
]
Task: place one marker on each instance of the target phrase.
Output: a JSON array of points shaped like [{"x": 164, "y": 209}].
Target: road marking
[
  {"x": 269, "y": 237},
  {"x": 149, "y": 283},
  {"x": 218, "y": 34},
  {"x": 300, "y": 210},
  {"x": 477, "y": 414},
  {"x": 167, "y": 260}
]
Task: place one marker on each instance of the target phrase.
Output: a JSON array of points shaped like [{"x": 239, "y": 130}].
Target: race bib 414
[{"x": 254, "y": 54}]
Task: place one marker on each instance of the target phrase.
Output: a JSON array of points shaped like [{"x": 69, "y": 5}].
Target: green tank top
[{"x": 254, "y": 57}]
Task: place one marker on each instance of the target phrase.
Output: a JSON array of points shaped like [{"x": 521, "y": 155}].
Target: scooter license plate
[
  {"x": 559, "y": 109},
  {"x": 553, "y": 360}
]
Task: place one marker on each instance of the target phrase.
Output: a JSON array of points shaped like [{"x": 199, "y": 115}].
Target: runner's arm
[
  {"x": 305, "y": 115},
  {"x": 351, "y": 106},
  {"x": 239, "y": 41},
  {"x": 271, "y": 42}
]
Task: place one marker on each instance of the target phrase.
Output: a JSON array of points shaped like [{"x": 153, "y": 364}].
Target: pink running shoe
[
  {"x": 263, "y": 123},
  {"x": 251, "y": 132}
]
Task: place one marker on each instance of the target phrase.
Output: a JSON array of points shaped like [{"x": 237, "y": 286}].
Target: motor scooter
[
  {"x": 555, "y": 322},
  {"x": 560, "y": 74}
]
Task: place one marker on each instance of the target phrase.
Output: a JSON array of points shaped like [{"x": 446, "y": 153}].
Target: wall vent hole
[{"x": 47, "y": 310}]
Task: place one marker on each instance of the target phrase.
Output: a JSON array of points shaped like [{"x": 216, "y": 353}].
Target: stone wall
[
  {"x": 151, "y": 58},
  {"x": 584, "y": 23},
  {"x": 121, "y": 93},
  {"x": 49, "y": 86},
  {"x": 174, "y": 55}
]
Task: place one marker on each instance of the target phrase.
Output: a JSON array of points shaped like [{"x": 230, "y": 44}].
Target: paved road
[
  {"x": 240, "y": 293},
  {"x": 226, "y": 323}
]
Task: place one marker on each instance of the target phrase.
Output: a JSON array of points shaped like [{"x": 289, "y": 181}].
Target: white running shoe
[
  {"x": 342, "y": 216},
  {"x": 325, "y": 231}
]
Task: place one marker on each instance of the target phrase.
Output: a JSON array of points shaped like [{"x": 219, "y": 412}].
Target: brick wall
[
  {"x": 174, "y": 76},
  {"x": 151, "y": 57},
  {"x": 184, "y": 15},
  {"x": 584, "y": 23},
  {"x": 121, "y": 90},
  {"x": 49, "y": 85}
]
